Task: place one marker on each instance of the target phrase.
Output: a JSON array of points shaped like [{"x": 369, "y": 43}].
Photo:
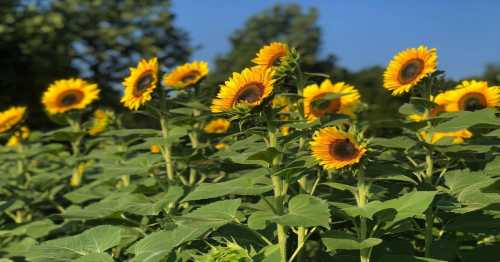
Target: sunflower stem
[
  {"x": 193, "y": 136},
  {"x": 167, "y": 148},
  {"x": 429, "y": 213},
  {"x": 362, "y": 200},
  {"x": 279, "y": 188}
]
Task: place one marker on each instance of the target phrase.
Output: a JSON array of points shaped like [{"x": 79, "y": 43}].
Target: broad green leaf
[
  {"x": 258, "y": 219},
  {"x": 307, "y": 211},
  {"x": 335, "y": 240},
  {"x": 94, "y": 240},
  {"x": 401, "y": 142},
  {"x": 215, "y": 214},
  {"x": 408, "y": 258},
  {"x": 95, "y": 257},
  {"x": 267, "y": 156},
  {"x": 465, "y": 119},
  {"x": 251, "y": 183}
]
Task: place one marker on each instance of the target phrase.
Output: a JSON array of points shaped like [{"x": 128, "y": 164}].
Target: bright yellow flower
[
  {"x": 76, "y": 178},
  {"x": 11, "y": 117},
  {"x": 315, "y": 108},
  {"x": 186, "y": 75},
  {"x": 271, "y": 54},
  {"x": 335, "y": 149},
  {"x": 440, "y": 100},
  {"x": 140, "y": 84},
  {"x": 220, "y": 146},
  {"x": 69, "y": 94},
  {"x": 457, "y": 136},
  {"x": 99, "y": 123},
  {"x": 246, "y": 89},
  {"x": 408, "y": 67},
  {"x": 155, "y": 149},
  {"x": 217, "y": 126},
  {"x": 472, "y": 95},
  {"x": 18, "y": 136}
]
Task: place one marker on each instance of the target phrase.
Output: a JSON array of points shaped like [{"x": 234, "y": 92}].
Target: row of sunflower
[{"x": 279, "y": 166}]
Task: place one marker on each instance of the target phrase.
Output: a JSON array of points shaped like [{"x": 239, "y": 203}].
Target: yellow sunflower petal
[
  {"x": 140, "y": 84},
  {"x": 217, "y": 126},
  {"x": 186, "y": 75},
  {"x": 335, "y": 149},
  {"x": 69, "y": 94},
  {"x": 248, "y": 88},
  {"x": 99, "y": 123},
  {"x": 271, "y": 54},
  {"x": 11, "y": 117},
  {"x": 408, "y": 67},
  {"x": 457, "y": 136},
  {"x": 344, "y": 104},
  {"x": 22, "y": 134}
]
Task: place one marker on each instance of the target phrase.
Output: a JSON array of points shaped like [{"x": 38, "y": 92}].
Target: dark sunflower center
[
  {"x": 473, "y": 102},
  {"x": 343, "y": 149},
  {"x": 142, "y": 83},
  {"x": 411, "y": 70},
  {"x": 70, "y": 98},
  {"x": 320, "y": 107},
  {"x": 250, "y": 93},
  {"x": 190, "y": 76}
]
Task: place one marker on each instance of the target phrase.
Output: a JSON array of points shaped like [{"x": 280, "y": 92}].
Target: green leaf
[
  {"x": 254, "y": 182},
  {"x": 215, "y": 214},
  {"x": 267, "y": 156},
  {"x": 94, "y": 240},
  {"x": 307, "y": 211},
  {"x": 335, "y": 240},
  {"x": 95, "y": 257},
  {"x": 465, "y": 119},
  {"x": 408, "y": 258},
  {"x": 401, "y": 142}
]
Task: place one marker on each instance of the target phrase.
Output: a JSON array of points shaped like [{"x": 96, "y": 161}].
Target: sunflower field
[{"x": 281, "y": 165}]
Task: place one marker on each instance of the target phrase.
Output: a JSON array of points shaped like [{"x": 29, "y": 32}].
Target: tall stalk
[
  {"x": 167, "y": 148},
  {"x": 362, "y": 200},
  {"x": 279, "y": 188},
  {"x": 429, "y": 213}
]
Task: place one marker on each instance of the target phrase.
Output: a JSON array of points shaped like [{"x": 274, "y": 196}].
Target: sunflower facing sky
[
  {"x": 11, "y": 117},
  {"x": 140, "y": 84},
  {"x": 186, "y": 75},
  {"x": 246, "y": 89},
  {"x": 68, "y": 94},
  {"x": 335, "y": 149},
  {"x": 315, "y": 106},
  {"x": 408, "y": 67},
  {"x": 270, "y": 55},
  {"x": 217, "y": 126},
  {"x": 472, "y": 95}
]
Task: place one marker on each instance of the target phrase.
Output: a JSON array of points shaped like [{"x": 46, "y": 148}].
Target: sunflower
[
  {"x": 68, "y": 94},
  {"x": 472, "y": 95},
  {"x": 186, "y": 75},
  {"x": 217, "y": 126},
  {"x": 76, "y": 178},
  {"x": 155, "y": 149},
  {"x": 271, "y": 54},
  {"x": 457, "y": 136},
  {"x": 335, "y": 149},
  {"x": 140, "y": 83},
  {"x": 440, "y": 100},
  {"x": 18, "y": 136},
  {"x": 408, "y": 67},
  {"x": 315, "y": 107},
  {"x": 99, "y": 123},
  {"x": 11, "y": 117},
  {"x": 246, "y": 89},
  {"x": 220, "y": 146}
]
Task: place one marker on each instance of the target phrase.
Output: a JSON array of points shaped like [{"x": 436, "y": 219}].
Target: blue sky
[{"x": 363, "y": 33}]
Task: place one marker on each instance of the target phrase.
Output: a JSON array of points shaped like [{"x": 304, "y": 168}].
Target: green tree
[{"x": 41, "y": 41}]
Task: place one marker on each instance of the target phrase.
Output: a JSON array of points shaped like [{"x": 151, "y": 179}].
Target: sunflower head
[
  {"x": 246, "y": 89},
  {"x": 440, "y": 102},
  {"x": 217, "y": 126},
  {"x": 186, "y": 75},
  {"x": 22, "y": 134},
  {"x": 11, "y": 118},
  {"x": 458, "y": 137},
  {"x": 472, "y": 95},
  {"x": 271, "y": 55},
  {"x": 408, "y": 67},
  {"x": 140, "y": 84},
  {"x": 76, "y": 178},
  {"x": 345, "y": 98},
  {"x": 100, "y": 121},
  {"x": 228, "y": 252},
  {"x": 335, "y": 149},
  {"x": 68, "y": 94},
  {"x": 155, "y": 149}
]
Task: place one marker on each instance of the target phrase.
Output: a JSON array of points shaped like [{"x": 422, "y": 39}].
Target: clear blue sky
[{"x": 362, "y": 32}]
